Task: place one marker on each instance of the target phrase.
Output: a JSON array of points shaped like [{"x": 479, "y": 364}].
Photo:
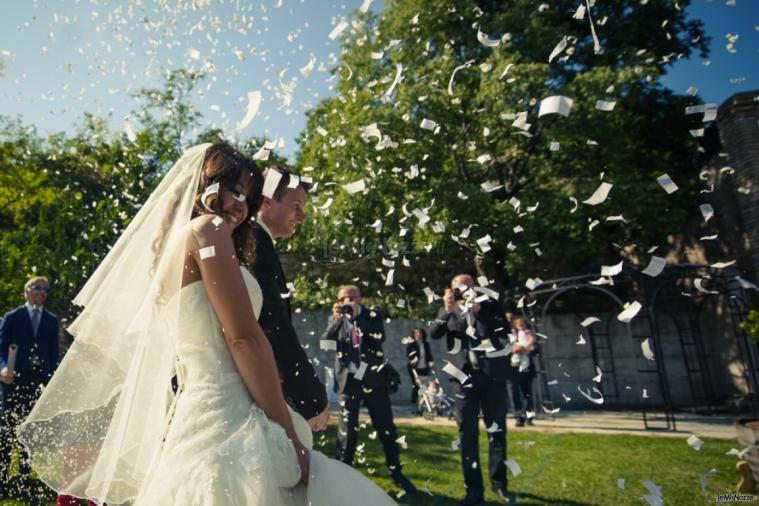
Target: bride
[{"x": 173, "y": 299}]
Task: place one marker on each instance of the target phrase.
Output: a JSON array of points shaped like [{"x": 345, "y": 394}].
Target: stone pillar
[{"x": 738, "y": 127}]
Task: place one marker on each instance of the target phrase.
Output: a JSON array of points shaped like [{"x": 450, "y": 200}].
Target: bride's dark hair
[{"x": 225, "y": 165}]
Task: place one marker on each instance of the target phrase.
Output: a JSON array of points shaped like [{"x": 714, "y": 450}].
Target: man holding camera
[
  {"x": 358, "y": 333},
  {"x": 477, "y": 338}
]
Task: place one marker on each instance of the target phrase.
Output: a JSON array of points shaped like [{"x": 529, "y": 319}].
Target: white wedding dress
[{"x": 220, "y": 449}]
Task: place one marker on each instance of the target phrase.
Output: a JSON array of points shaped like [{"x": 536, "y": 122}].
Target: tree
[{"x": 435, "y": 99}]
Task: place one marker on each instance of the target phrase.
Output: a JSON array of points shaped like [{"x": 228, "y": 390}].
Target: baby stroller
[{"x": 432, "y": 400}]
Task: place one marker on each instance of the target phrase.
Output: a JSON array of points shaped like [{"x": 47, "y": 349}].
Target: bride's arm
[{"x": 212, "y": 249}]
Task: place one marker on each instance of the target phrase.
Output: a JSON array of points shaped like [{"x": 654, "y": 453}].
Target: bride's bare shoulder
[{"x": 208, "y": 226}]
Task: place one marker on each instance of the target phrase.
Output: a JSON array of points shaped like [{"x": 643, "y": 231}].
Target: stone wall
[{"x": 572, "y": 364}]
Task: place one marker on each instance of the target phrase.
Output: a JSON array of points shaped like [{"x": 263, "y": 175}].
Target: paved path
[{"x": 597, "y": 422}]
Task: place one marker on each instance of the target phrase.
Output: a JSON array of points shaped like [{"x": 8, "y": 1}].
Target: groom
[{"x": 282, "y": 210}]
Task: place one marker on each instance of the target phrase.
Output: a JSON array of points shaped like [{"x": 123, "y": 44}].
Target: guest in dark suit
[
  {"x": 476, "y": 334},
  {"x": 281, "y": 212},
  {"x": 359, "y": 333},
  {"x": 34, "y": 331},
  {"x": 419, "y": 356}
]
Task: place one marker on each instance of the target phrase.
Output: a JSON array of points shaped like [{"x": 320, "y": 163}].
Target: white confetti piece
[
  {"x": 654, "y": 497},
  {"x": 389, "y": 278},
  {"x": 611, "y": 270},
  {"x": 621, "y": 483},
  {"x": 694, "y": 442},
  {"x": 655, "y": 266},
  {"x": 402, "y": 441},
  {"x": 129, "y": 131},
  {"x": 589, "y": 321},
  {"x": 666, "y": 182},
  {"x": 361, "y": 371},
  {"x": 550, "y": 411},
  {"x": 594, "y": 400},
  {"x": 631, "y": 309},
  {"x": 600, "y": 195},
  {"x": 217, "y": 220},
  {"x": 428, "y": 124},
  {"x": 745, "y": 284},
  {"x": 513, "y": 467},
  {"x": 722, "y": 265},
  {"x": 705, "y": 477},
  {"x": 557, "y": 104},
  {"x": 561, "y": 46},
  {"x": 533, "y": 283},
  {"x": 581, "y": 340},
  {"x": 211, "y": 189},
  {"x": 365, "y": 6},
  {"x": 599, "y": 374},
  {"x": 396, "y": 80},
  {"x": 207, "y": 252},
  {"x": 355, "y": 187},
  {"x": 487, "y": 41},
  {"x": 272, "y": 181},
  {"x": 645, "y": 347},
  {"x": 338, "y": 29},
  {"x": 493, "y": 428},
  {"x": 254, "y": 101},
  {"x": 603, "y": 105},
  {"x": 454, "y": 371},
  {"x": 193, "y": 53}
]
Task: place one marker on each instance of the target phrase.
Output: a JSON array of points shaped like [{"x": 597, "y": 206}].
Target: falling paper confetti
[
  {"x": 631, "y": 309},
  {"x": 600, "y": 195},
  {"x": 254, "y": 101}
]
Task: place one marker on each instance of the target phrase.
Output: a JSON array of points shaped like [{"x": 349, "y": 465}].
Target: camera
[
  {"x": 346, "y": 308},
  {"x": 457, "y": 295}
]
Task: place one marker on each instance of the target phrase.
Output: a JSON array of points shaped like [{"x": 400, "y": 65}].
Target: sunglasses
[{"x": 39, "y": 288}]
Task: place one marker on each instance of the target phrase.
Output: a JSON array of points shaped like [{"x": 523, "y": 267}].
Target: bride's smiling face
[{"x": 235, "y": 200}]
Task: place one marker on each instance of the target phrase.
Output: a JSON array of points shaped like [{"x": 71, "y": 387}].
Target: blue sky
[{"x": 65, "y": 57}]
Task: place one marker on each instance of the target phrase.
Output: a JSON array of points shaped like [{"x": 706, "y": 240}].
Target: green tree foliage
[{"x": 425, "y": 185}]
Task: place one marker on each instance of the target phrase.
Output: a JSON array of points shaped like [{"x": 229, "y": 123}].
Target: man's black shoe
[
  {"x": 520, "y": 423},
  {"x": 403, "y": 482},
  {"x": 472, "y": 499}
]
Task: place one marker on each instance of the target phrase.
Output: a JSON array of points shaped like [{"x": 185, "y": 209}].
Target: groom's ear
[{"x": 266, "y": 203}]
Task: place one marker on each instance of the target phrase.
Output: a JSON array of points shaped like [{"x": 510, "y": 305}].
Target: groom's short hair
[{"x": 284, "y": 181}]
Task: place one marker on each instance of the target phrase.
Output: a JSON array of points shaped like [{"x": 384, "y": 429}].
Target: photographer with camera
[
  {"x": 362, "y": 375},
  {"x": 476, "y": 333}
]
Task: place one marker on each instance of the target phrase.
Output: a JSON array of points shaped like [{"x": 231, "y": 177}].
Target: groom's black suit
[{"x": 302, "y": 388}]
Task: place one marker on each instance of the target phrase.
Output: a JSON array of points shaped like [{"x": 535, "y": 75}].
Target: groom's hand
[{"x": 320, "y": 421}]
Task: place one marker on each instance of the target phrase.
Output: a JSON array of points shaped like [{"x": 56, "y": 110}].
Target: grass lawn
[{"x": 567, "y": 469}]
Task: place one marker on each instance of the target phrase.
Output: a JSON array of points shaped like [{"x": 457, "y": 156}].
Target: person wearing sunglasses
[{"x": 32, "y": 331}]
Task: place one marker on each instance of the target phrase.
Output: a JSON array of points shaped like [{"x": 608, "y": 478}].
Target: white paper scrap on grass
[
  {"x": 273, "y": 178},
  {"x": 254, "y": 101},
  {"x": 513, "y": 467},
  {"x": 621, "y": 483},
  {"x": 454, "y": 371},
  {"x": 645, "y": 347},
  {"x": 207, "y": 252},
  {"x": 631, "y": 309},
  {"x": 603, "y": 105},
  {"x": 655, "y": 266},
  {"x": 556, "y": 104},
  {"x": 601, "y": 193},
  {"x": 666, "y": 182},
  {"x": 355, "y": 187},
  {"x": 338, "y": 29},
  {"x": 694, "y": 442}
]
